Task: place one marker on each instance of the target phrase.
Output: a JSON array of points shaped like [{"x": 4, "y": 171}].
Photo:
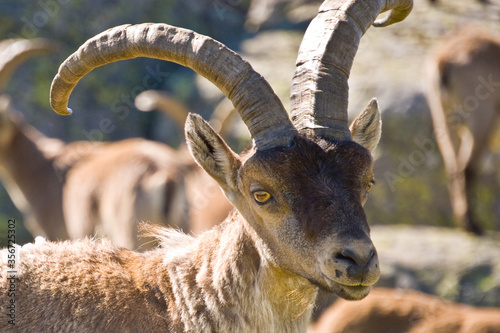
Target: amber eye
[
  {"x": 370, "y": 185},
  {"x": 261, "y": 196}
]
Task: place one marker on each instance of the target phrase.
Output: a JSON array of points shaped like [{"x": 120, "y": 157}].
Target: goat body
[
  {"x": 122, "y": 183},
  {"x": 463, "y": 76},
  {"x": 33, "y": 169},
  {"x": 89, "y": 188},
  {"x": 394, "y": 311},
  {"x": 215, "y": 283},
  {"x": 84, "y": 188}
]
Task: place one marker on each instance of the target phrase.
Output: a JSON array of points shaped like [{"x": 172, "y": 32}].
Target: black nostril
[
  {"x": 345, "y": 256},
  {"x": 356, "y": 257}
]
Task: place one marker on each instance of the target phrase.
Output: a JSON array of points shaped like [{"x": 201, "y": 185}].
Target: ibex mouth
[
  {"x": 348, "y": 291},
  {"x": 348, "y": 282},
  {"x": 353, "y": 293}
]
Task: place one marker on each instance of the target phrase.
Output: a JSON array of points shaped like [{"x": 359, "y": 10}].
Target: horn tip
[{"x": 64, "y": 112}]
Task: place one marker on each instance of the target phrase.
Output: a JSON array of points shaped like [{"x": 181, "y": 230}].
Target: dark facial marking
[{"x": 322, "y": 182}]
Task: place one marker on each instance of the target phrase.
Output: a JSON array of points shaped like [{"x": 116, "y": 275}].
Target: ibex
[
  {"x": 66, "y": 190},
  {"x": 394, "y": 310},
  {"x": 463, "y": 90},
  {"x": 121, "y": 184},
  {"x": 299, "y": 222},
  {"x": 207, "y": 204}
]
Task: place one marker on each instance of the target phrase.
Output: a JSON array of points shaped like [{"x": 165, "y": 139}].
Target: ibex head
[{"x": 301, "y": 188}]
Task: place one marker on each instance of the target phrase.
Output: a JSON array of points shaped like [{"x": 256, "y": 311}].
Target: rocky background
[{"x": 409, "y": 208}]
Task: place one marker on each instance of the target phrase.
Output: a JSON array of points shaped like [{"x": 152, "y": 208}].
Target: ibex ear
[
  {"x": 366, "y": 129},
  {"x": 211, "y": 152}
]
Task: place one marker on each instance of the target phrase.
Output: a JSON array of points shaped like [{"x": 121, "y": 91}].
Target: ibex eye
[
  {"x": 261, "y": 196},
  {"x": 370, "y": 185}
]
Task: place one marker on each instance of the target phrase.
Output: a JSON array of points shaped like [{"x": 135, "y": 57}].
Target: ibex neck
[
  {"x": 225, "y": 285},
  {"x": 32, "y": 181}
]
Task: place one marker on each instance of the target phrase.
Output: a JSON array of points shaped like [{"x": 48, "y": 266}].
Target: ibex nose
[
  {"x": 357, "y": 260},
  {"x": 357, "y": 256}
]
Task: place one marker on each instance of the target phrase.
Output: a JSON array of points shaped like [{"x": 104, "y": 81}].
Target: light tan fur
[
  {"x": 198, "y": 285},
  {"x": 463, "y": 90},
  {"x": 395, "y": 311},
  {"x": 122, "y": 184}
]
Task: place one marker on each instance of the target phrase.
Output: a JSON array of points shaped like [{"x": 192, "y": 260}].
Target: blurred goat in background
[
  {"x": 463, "y": 91},
  {"x": 88, "y": 188}
]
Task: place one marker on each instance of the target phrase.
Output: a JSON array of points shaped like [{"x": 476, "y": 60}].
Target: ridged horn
[
  {"x": 319, "y": 95},
  {"x": 14, "y": 52},
  {"x": 252, "y": 96}
]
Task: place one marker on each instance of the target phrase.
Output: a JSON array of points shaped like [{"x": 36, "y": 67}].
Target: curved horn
[
  {"x": 14, "y": 52},
  {"x": 319, "y": 94},
  {"x": 250, "y": 93}
]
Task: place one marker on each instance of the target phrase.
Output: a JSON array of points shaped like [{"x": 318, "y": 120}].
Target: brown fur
[
  {"x": 464, "y": 110},
  {"x": 395, "y": 311},
  {"x": 36, "y": 187},
  {"x": 342, "y": 229},
  {"x": 70, "y": 190}
]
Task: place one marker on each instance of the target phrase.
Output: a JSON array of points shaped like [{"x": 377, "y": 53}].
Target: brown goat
[
  {"x": 69, "y": 189},
  {"x": 123, "y": 183},
  {"x": 148, "y": 182},
  {"x": 299, "y": 191},
  {"x": 463, "y": 90},
  {"x": 396, "y": 311}
]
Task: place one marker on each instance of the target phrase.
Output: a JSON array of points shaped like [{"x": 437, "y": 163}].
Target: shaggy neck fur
[
  {"x": 218, "y": 282},
  {"x": 222, "y": 283}
]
